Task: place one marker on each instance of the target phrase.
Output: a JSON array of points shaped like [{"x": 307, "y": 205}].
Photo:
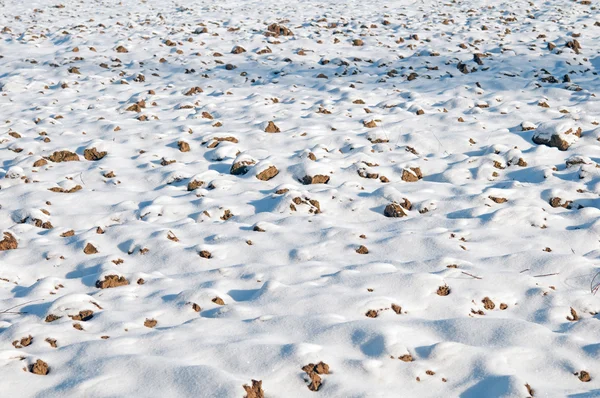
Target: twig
[
  {"x": 524, "y": 271},
  {"x": 471, "y": 275},
  {"x": 539, "y": 276},
  {"x": 594, "y": 288},
  {"x": 8, "y": 310}
]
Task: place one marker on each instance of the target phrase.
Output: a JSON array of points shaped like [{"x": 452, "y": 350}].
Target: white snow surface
[{"x": 294, "y": 289}]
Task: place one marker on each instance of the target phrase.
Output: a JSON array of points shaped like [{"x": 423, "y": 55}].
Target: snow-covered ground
[{"x": 198, "y": 194}]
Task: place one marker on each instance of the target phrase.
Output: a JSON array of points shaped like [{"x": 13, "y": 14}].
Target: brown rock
[
  {"x": 205, "y": 254},
  {"x": 194, "y": 90},
  {"x": 121, "y": 49},
  {"x": 218, "y": 300},
  {"x": 276, "y": 30},
  {"x": 63, "y": 156},
  {"x": 394, "y": 210},
  {"x": 150, "y": 323},
  {"x": 254, "y": 391},
  {"x": 194, "y": 184},
  {"x": 183, "y": 146},
  {"x": 584, "y": 376},
  {"x": 84, "y": 315},
  {"x": 8, "y": 243},
  {"x": 362, "y": 250},
  {"x": 241, "y": 168},
  {"x": 93, "y": 154},
  {"x": 443, "y": 290},
  {"x": 90, "y": 249},
  {"x": 267, "y": 174},
  {"x": 39, "y": 368},
  {"x": 111, "y": 281},
  {"x": 272, "y": 128},
  {"x": 488, "y": 304},
  {"x": 317, "y": 179},
  {"x": 40, "y": 163},
  {"x": 238, "y": 50},
  {"x": 416, "y": 174}
]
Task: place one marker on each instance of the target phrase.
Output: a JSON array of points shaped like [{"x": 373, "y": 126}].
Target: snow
[{"x": 251, "y": 278}]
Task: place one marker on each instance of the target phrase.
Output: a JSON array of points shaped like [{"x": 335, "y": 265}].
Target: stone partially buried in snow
[
  {"x": 268, "y": 173},
  {"x": 394, "y": 210},
  {"x": 557, "y": 135},
  {"x": 316, "y": 179}
]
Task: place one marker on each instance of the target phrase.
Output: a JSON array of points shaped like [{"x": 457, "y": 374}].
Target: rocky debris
[
  {"x": 218, "y": 300},
  {"x": 183, "y": 146},
  {"x": 193, "y": 91},
  {"x": 276, "y": 30},
  {"x": 205, "y": 254},
  {"x": 40, "y": 163},
  {"x": 394, "y": 210},
  {"x": 584, "y": 376},
  {"x": 194, "y": 184},
  {"x": 241, "y": 167},
  {"x": 63, "y": 156},
  {"x": 362, "y": 250},
  {"x": 268, "y": 173},
  {"x": 9, "y": 242},
  {"x": 90, "y": 249},
  {"x": 84, "y": 316},
  {"x": 93, "y": 154},
  {"x": 255, "y": 390},
  {"x": 111, "y": 281},
  {"x": 558, "y": 202},
  {"x": 488, "y": 304},
  {"x": 62, "y": 190},
  {"x": 313, "y": 372},
  {"x": 557, "y": 135},
  {"x": 316, "y": 179},
  {"x": 412, "y": 174},
  {"x": 150, "y": 323},
  {"x": 39, "y": 368},
  {"x": 272, "y": 128},
  {"x": 24, "y": 342},
  {"x": 121, "y": 49},
  {"x": 443, "y": 290},
  {"x": 238, "y": 50}
]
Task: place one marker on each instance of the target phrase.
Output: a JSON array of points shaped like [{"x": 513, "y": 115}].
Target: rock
[
  {"x": 194, "y": 184},
  {"x": 412, "y": 174},
  {"x": 63, "y": 156},
  {"x": 111, "y": 281},
  {"x": 557, "y": 135},
  {"x": 183, "y": 146},
  {"x": 394, "y": 210},
  {"x": 276, "y": 30},
  {"x": 93, "y": 154},
  {"x": 268, "y": 173},
  {"x": 238, "y": 50},
  {"x": 8, "y": 243},
  {"x": 241, "y": 167},
  {"x": 272, "y": 128},
  {"x": 40, "y": 163},
  {"x": 317, "y": 179},
  {"x": 39, "y": 368},
  {"x": 254, "y": 391},
  {"x": 90, "y": 249}
]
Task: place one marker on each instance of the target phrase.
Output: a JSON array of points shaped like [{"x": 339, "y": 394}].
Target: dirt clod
[
  {"x": 218, "y": 300},
  {"x": 362, "y": 250},
  {"x": 584, "y": 376},
  {"x": 317, "y": 179}
]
